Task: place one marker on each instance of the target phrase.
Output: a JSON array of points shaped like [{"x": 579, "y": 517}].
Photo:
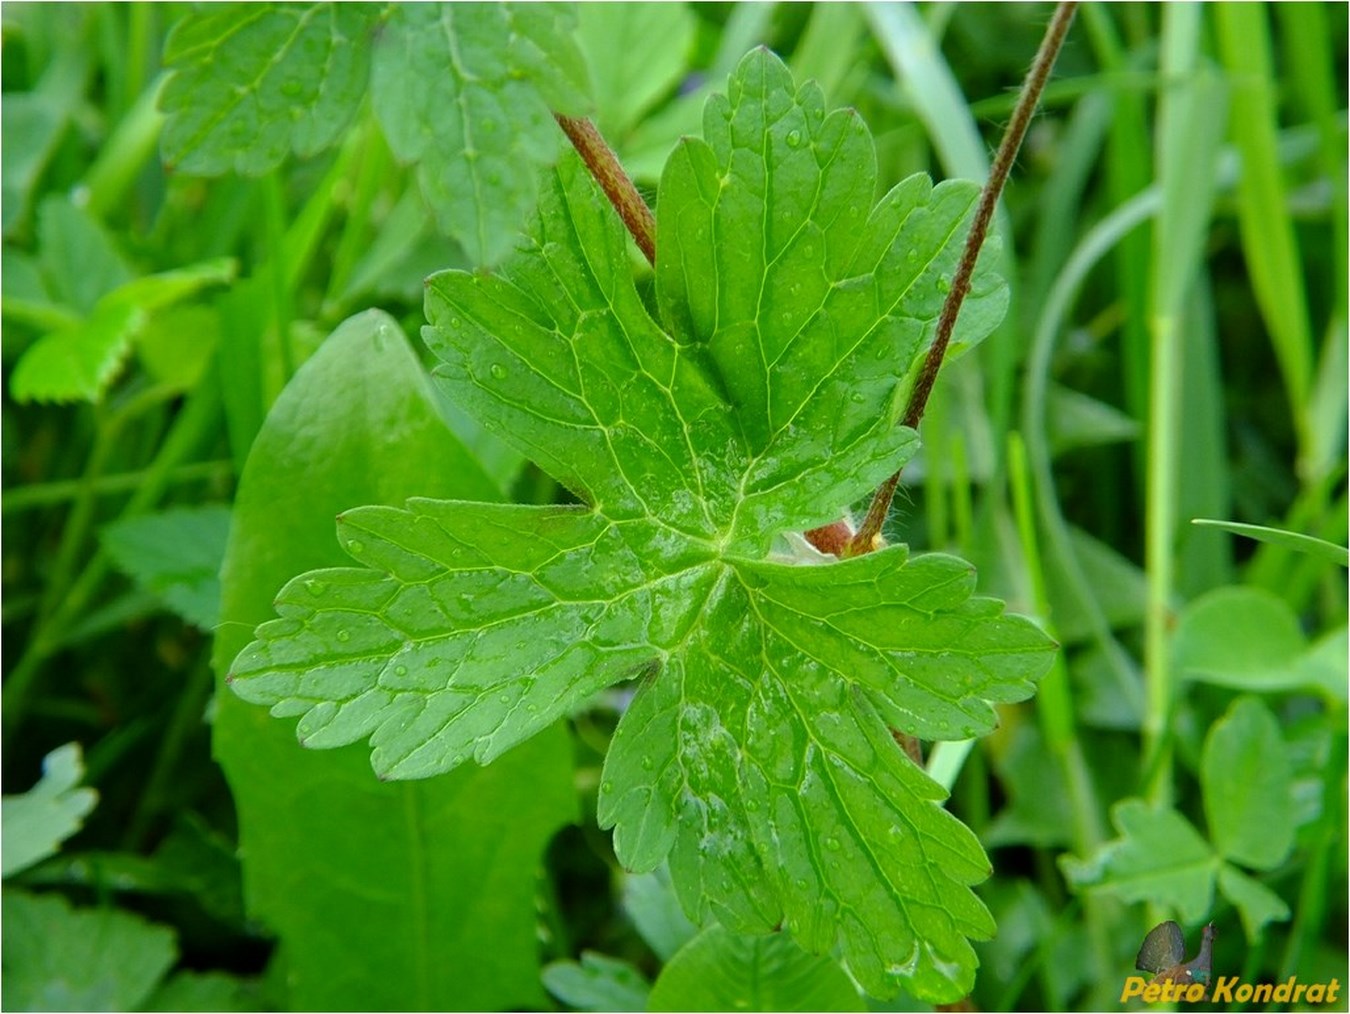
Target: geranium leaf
[{"x": 757, "y": 753}]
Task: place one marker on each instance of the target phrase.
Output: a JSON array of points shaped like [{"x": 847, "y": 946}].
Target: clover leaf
[{"x": 758, "y": 751}]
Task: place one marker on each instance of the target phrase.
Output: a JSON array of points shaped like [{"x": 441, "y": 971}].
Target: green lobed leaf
[
  {"x": 207, "y": 991},
  {"x": 385, "y": 896},
  {"x": 1158, "y": 858},
  {"x": 757, "y": 752},
  {"x": 719, "y": 970},
  {"x": 62, "y": 958},
  {"x": 253, "y": 82},
  {"x": 36, "y": 822},
  {"x": 1245, "y": 772}
]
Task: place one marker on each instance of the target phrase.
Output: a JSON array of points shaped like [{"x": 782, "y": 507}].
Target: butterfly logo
[{"x": 1164, "y": 952}]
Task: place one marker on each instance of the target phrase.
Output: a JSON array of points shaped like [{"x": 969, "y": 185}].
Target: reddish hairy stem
[
  {"x": 865, "y": 540},
  {"x": 604, "y": 166}
]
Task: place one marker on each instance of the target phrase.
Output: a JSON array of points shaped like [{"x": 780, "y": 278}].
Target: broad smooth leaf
[
  {"x": 719, "y": 970},
  {"x": 60, "y": 958},
  {"x": 1159, "y": 858},
  {"x": 386, "y": 896},
  {"x": 1245, "y": 772},
  {"x": 36, "y": 822},
  {"x": 757, "y": 752}
]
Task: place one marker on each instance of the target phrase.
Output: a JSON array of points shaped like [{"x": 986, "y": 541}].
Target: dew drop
[
  {"x": 356, "y": 546},
  {"x": 912, "y": 255},
  {"x": 316, "y": 587},
  {"x": 944, "y": 284},
  {"x": 400, "y": 670},
  {"x": 752, "y": 805},
  {"x": 606, "y": 786},
  {"x": 801, "y": 884},
  {"x": 832, "y": 844},
  {"x": 343, "y": 635},
  {"x": 456, "y": 323},
  {"x": 794, "y": 138},
  {"x": 498, "y": 371},
  {"x": 647, "y": 764}
]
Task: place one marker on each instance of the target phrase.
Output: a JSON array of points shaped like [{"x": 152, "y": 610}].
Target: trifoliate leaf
[
  {"x": 758, "y": 751},
  {"x": 36, "y": 822},
  {"x": 1159, "y": 858}
]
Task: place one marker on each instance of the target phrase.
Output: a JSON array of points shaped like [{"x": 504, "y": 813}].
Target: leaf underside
[{"x": 757, "y": 752}]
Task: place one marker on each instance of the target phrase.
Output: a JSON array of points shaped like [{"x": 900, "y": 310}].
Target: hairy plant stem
[
  {"x": 604, "y": 166},
  {"x": 867, "y": 537}
]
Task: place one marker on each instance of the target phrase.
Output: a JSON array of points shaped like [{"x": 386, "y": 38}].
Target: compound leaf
[
  {"x": 757, "y": 753},
  {"x": 1159, "y": 858}
]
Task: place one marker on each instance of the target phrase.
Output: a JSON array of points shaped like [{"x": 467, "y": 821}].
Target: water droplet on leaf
[
  {"x": 794, "y": 138},
  {"x": 343, "y": 635},
  {"x": 498, "y": 371},
  {"x": 356, "y": 546}
]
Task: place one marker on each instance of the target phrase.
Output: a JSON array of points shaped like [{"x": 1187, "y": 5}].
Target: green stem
[
  {"x": 42, "y": 494},
  {"x": 197, "y": 420},
  {"x": 866, "y": 539}
]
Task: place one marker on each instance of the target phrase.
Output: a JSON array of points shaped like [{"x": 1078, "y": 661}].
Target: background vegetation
[{"x": 1175, "y": 236}]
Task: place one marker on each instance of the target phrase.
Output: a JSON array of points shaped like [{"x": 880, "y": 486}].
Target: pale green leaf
[
  {"x": 597, "y": 983},
  {"x": 254, "y": 82},
  {"x": 1256, "y": 903},
  {"x": 86, "y": 959},
  {"x": 176, "y": 555},
  {"x": 721, "y": 971},
  {"x": 1245, "y": 772},
  {"x": 757, "y": 752},
  {"x": 1159, "y": 858},
  {"x": 36, "y": 822},
  {"x": 650, "y": 901},
  {"x": 637, "y": 53}
]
